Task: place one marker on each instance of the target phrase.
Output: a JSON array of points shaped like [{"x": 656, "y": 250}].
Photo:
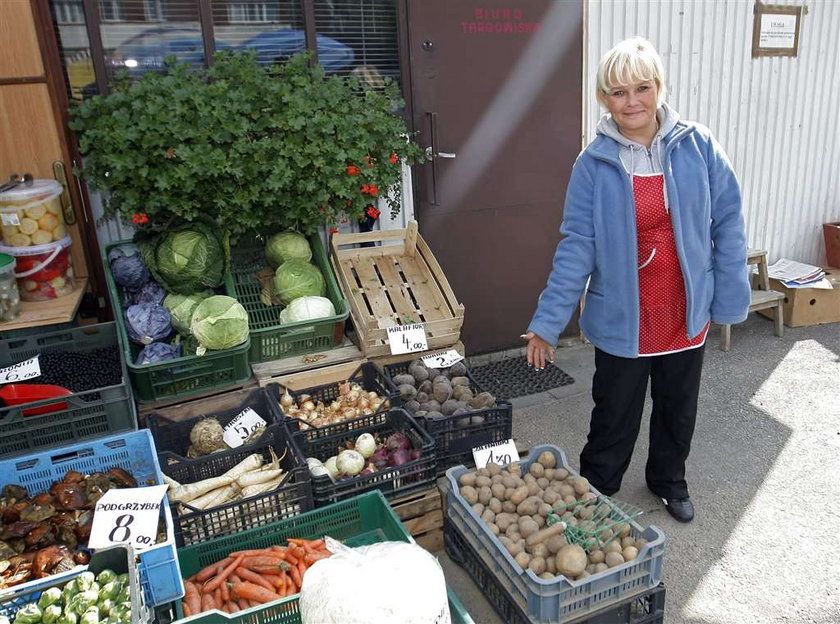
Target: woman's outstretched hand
[{"x": 539, "y": 352}]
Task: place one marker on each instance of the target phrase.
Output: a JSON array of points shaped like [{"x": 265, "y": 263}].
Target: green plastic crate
[
  {"x": 269, "y": 339},
  {"x": 183, "y": 376},
  {"x": 360, "y": 521}
]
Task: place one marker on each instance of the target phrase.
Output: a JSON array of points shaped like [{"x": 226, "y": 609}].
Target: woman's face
[{"x": 633, "y": 107}]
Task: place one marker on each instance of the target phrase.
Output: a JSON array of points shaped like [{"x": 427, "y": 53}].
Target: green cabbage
[
  {"x": 186, "y": 259},
  {"x": 285, "y": 246},
  {"x": 219, "y": 322},
  {"x": 181, "y": 308},
  {"x": 298, "y": 278},
  {"x": 307, "y": 309}
]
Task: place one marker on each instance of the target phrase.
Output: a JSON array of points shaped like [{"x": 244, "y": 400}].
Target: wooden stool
[{"x": 761, "y": 298}]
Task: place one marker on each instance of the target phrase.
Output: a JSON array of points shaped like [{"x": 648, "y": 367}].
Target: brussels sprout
[
  {"x": 80, "y": 602},
  {"x": 51, "y": 614},
  {"x": 29, "y": 614},
  {"x": 89, "y": 617},
  {"x": 49, "y": 597},
  {"x": 68, "y": 618},
  {"x": 106, "y": 576},
  {"x": 110, "y": 591},
  {"x": 123, "y": 578},
  {"x": 105, "y": 607},
  {"x": 70, "y": 590},
  {"x": 124, "y": 595},
  {"x": 85, "y": 581}
]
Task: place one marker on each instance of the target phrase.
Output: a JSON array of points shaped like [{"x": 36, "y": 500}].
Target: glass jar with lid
[{"x": 9, "y": 295}]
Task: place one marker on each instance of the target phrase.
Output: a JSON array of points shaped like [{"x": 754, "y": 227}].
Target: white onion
[
  {"x": 366, "y": 445},
  {"x": 350, "y": 462},
  {"x": 332, "y": 466},
  {"x": 287, "y": 400},
  {"x": 307, "y": 405}
]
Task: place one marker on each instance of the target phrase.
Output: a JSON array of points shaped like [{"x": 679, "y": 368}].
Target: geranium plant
[{"x": 283, "y": 147}]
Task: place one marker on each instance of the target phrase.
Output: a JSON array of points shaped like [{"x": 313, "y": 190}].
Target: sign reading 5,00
[{"x": 127, "y": 516}]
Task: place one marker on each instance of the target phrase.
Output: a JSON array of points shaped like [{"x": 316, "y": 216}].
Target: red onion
[
  {"x": 399, "y": 457},
  {"x": 397, "y": 441},
  {"x": 414, "y": 454}
]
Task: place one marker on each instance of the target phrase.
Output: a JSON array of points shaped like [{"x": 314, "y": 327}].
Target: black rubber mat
[{"x": 512, "y": 377}]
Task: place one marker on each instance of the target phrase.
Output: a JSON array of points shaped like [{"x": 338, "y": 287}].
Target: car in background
[{"x": 278, "y": 45}]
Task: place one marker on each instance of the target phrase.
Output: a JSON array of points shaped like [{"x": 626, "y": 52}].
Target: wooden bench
[{"x": 762, "y": 298}]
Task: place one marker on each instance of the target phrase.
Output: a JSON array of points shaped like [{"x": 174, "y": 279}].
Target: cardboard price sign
[
  {"x": 502, "y": 453},
  {"x": 21, "y": 371},
  {"x": 127, "y": 516},
  {"x": 241, "y": 427},
  {"x": 407, "y": 338},
  {"x": 444, "y": 359}
]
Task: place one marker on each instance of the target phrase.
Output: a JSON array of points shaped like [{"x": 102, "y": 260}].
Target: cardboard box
[{"x": 809, "y": 306}]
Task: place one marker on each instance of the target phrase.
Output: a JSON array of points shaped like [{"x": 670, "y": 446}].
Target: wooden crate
[
  {"x": 422, "y": 516},
  {"x": 180, "y": 408},
  {"x": 395, "y": 284},
  {"x": 274, "y": 371}
]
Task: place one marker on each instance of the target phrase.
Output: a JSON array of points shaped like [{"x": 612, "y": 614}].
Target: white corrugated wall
[{"x": 777, "y": 118}]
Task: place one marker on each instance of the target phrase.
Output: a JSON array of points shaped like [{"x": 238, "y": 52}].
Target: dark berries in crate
[{"x": 80, "y": 371}]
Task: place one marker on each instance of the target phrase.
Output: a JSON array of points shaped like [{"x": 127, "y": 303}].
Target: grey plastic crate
[
  {"x": 119, "y": 558},
  {"x": 88, "y": 414},
  {"x": 558, "y": 599}
]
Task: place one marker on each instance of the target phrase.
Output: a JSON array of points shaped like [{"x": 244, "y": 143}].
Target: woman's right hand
[{"x": 538, "y": 352}]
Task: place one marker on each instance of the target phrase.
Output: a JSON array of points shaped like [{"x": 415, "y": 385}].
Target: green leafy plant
[{"x": 249, "y": 147}]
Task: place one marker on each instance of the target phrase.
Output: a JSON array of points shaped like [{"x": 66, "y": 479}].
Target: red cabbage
[
  {"x": 146, "y": 323},
  {"x": 150, "y": 292},
  {"x": 127, "y": 267},
  {"x": 157, "y": 352}
]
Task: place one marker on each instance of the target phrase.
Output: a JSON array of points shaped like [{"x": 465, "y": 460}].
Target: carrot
[
  {"x": 222, "y": 576},
  {"x": 250, "y": 553},
  {"x": 207, "y": 602},
  {"x": 225, "y": 591},
  {"x": 234, "y": 578},
  {"x": 192, "y": 598},
  {"x": 264, "y": 561},
  {"x": 318, "y": 544},
  {"x": 206, "y": 573},
  {"x": 296, "y": 578},
  {"x": 186, "y": 608},
  {"x": 250, "y": 591},
  {"x": 312, "y": 557},
  {"x": 272, "y": 570},
  {"x": 255, "y": 578},
  {"x": 291, "y": 558},
  {"x": 302, "y": 567}
]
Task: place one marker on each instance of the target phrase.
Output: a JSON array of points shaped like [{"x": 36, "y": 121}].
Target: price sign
[
  {"x": 407, "y": 338},
  {"x": 501, "y": 453},
  {"x": 444, "y": 359},
  {"x": 127, "y": 516},
  {"x": 21, "y": 371},
  {"x": 243, "y": 425}
]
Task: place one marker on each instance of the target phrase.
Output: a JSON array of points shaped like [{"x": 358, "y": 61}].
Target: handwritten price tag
[
  {"x": 21, "y": 371},
  {"x": 444, "y": 359},
  {"x": 127, "y": 516},
  {"x": 242, "y": 426},
  {"x": 407, "y": 338},
  {"x": 501, "y": 453}
]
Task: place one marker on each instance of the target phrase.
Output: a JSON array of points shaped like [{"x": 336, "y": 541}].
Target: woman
[{"x": 653, "y": 220}]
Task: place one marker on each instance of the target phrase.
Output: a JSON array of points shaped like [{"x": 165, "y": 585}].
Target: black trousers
[{"x": 618, "y": 389}]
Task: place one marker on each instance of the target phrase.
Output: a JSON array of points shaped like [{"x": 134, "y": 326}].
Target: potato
[
  {"x": 498, "y": 490},
  {"x": 614, "y": 559},
  {"x": 527, "y": 527},
  {"x": 548, "y": 576},
  {"x": 518, "y": 495},
  {"x": 493, "y": 528},
  {"x": 547, "y": 459},
  {"x": 584, "y": 513},
  {"x": 597, "y": 556},
  {"x": 513, "y": 529},
  {"x": 555, "y": 543},
  {"x": 539, "y": 550},
  {"x": 613, "y": 546},
  {"x": 560, "y": 474},
  {"x": 508, "y": 506},
  {"x": 407, "y": 380},
  {"x": 484, "y": 495},
  {"x": 640, "y": 543},
  {"x": 495, "y": 505},
  {"x": 504, "y": 520},
  {"x": 515, "y": 469},
  {"x": 549, "y": 474},
  {"x": 514, "y": 548},
  {"x": 528, "y": 507},
  {"x": 478, "y": 508},
  {"x": 589, "y": 496},
  {"x": 505, "y": 540},
  {"x": 550, "y": 565},
  {"x": 533, "y": 488},
  {"x": 543, "y": 509},
  {"x": 605, "y": 535},
  {"x": 627, "y": 541},
  {"x": 583, "y": 575},
  {"x": 523, "y": 559},
  {"x": 567, "y": 490},
  {"x": 407, "y": 391},
  {"x": 543, "y": 483},
  {"x": 629, "y": 553},
  {"x": 570, "y": 560},
  {"x": 550, "y": 497},
  {"x": 529, "y": 478},
  {"x": 591, "y": 568},
  {"x": 509, "y": 482},
  {"x": 600, "y": 567},
  {"x": 493, "y": 468},
  {"x": 580, "y": 485},
  {"x": 537, "y": 565},
  {"x": 468, "y": 478},
  {"x": 622, "y": 529},
  {"x": 487, "y": 516},
  {"x": 482, "y": 472},
  {"x": 470, "y": 494},
  {"x": 483, "y": 481},
  {"x": 536, "y": 469},
  {"x": 540, "y": 520}
]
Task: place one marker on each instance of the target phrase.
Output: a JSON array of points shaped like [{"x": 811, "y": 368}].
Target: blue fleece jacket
[{"x": 599, "y": 242}]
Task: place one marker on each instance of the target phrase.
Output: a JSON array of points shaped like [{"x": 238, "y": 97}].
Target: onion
[
  {"x": 303, "y": 397},
  {"x": 372, "y": 396},
  {"x": 399, "y": 457},
  {"x": 287, "y": 400},
  {"x": 312, "y": 462},
  {"x": 308, "y": 406},
  {"x": 331, "y": 466},
  {"x": 352, "y": 397},
  {"x": 363, "y": 403},
  {"x": 366, "y": 445},
  {"x": 320, "y": 471},
  {"x": 348, "y": 413},
  {"x": 397, "y": 441},
  {"x": 350, "y": 462},
  {"x": 336, "y": 406}
]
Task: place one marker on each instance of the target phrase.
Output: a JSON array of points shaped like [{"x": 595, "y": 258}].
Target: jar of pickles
[
  {"x": 9, "y": 297},
  {"x": 32, "y": 215}
]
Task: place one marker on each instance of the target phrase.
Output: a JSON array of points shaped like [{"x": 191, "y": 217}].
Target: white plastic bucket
[
  {"x": 43, "y": 271},
  {"x": 32, "y": 215}
]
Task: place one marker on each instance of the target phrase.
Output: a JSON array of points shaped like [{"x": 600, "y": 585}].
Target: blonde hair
[{"x": 629, "y": 62}]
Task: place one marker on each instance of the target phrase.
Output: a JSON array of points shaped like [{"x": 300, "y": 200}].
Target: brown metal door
[{"x": 496, "y": 94}]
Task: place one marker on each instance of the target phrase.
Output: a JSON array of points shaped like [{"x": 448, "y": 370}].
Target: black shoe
[{"x": 681, "y": 509}]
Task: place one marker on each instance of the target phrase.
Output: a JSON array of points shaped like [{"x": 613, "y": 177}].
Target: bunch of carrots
[{"x": 249, "y": 578}]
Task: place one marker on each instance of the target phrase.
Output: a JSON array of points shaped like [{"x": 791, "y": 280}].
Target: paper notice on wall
[{"x": 777, "y": 31}]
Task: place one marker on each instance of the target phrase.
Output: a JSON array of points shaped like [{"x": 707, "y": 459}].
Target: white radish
[
  {"x": 257, "y": 477},
  {"x": 250, "y": 463},
  {"x": 206, "y": 500},
  {"x": 260, "y": 488},
  {"x": 190, "y": 491},
  {"x": 172, "y": 483}
]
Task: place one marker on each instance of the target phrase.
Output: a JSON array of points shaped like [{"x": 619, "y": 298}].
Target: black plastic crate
[
  {"x": 80, "y": 416},
  {"x": 367, "y": 375},
  {"x": 173, "y": 436},
  {"x": 645, "y": 608},
  {"x": 456, "y": 436},
  {"x": 293, "y": 496},
  {"x": 413, "y": 475}
]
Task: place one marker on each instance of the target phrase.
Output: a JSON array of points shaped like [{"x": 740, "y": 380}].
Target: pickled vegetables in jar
[
  {"x": 32, "y": 215},
  {"x": 9, "y": 296}
]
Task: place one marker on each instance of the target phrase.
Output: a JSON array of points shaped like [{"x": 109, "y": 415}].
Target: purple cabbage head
[
  {"x": 127, "y": 267},
  {"x": 147, "y": 323},
  {"x": 150, "y": 292},
  {"x": 157, "y": 352}
]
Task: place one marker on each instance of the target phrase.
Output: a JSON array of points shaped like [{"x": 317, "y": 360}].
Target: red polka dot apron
[{"x": 662, "y": 324}]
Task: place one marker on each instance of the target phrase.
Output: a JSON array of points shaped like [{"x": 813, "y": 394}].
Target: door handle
[{"x": 433, "y": 154}]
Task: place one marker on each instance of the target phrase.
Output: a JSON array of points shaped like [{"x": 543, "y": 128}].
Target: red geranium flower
[
  {"x": 373, "y": 190},
  {"x": 365, "y": 189},
  {"x": 140, "y": 218},
  {"x": 170, "y": 153},
  {"x": 372, "y": 212},
  {"x": 369, "y": 161},
  {"x": 353, "y": 170},
  {"x": 333, "y": 230},
  {"x": 393, "y": 159}
]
